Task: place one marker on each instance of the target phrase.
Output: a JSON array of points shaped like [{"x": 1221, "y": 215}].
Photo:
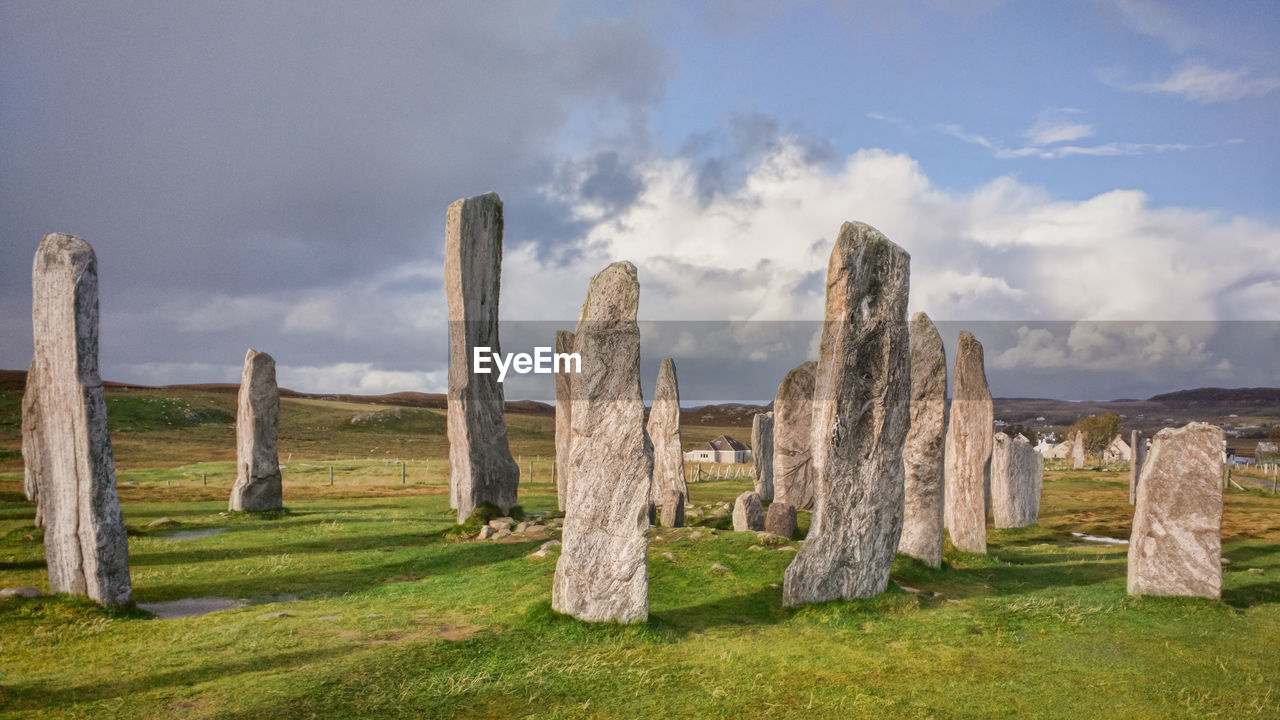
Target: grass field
[{"x": 385, "y": 616}]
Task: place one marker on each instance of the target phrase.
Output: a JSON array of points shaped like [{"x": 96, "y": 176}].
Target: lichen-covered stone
[
  {"x": 672, "y": 511},
  {"x": 601, "y": 574},
  {"x": 481, "y": 468},
  {"x": 258, "y": 482},
  {"x": 922, "y": 454},
  {"x": 968, "y": 448},
  {"x": 1077, "y": 451},
  {"x": 780, "y": 520},
  {"x": 1175, "y": 547},
  {"x": 1017, "y": 475},
  {"x": 664, "y": 432},
  {"x": 860, "y": 416},
  {"x": 748, "y": 513},
  {"x": 66, "y": 447},
  {"x": 762, "y": 454},
  {"x": 564, "y": 413},
  {"x": 1137, "y": 456},
  {"x": 792, "y": 437}
]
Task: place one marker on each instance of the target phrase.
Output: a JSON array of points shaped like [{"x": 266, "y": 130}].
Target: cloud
[
  {"x": 1055, "y": 126},
  {"x": 1062, "y": 133},
  {"x": 1205, "y": 84},
  {"x": 1155, "y": 19}
]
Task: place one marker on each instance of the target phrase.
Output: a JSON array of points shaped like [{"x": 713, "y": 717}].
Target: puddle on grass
[
  {"x": 193, "y": 534},
  {"x": 1100, "y": 539},
  {"x": 194, "y": 607}
]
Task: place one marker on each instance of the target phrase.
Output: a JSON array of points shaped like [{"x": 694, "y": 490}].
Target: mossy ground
[{"x": 394, "y": 619}]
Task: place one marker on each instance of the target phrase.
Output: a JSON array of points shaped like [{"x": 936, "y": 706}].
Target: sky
[{"x": 1092, "y": 183}]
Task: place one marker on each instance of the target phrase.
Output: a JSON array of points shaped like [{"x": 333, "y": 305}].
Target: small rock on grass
[
  {"x": 545, "y": 549},
  {"x": 26, "y": 592},
  {"x": 719, "y": 568},
  {"x": 162, "y": 522},
  {"x": 669, "y": 556},
  {"x": 280, "y": 614},
  {"x": 486, "y": 532}
]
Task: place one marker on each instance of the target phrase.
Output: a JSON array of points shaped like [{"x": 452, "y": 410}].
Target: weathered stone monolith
[
  {"x": 1017, "y": 474},
  {"x": 780, "y": 520},
  {"x": 748, "y": 513},
  {"x": 258, "y": 486},
  {"x": 564, "y": 413},
  {"x": 922, "y": 454},
  {"x": 1077, "y": 451},
  {"x": 1137, "y": 456},
  {"x": 762, "y": 454},
  {"x": 672, "y": 511},
  {"x": 601, "y": 574},
  {"x": 664, "y": 432},
  {"x": 861, "y": 410},
  {"x": 968, "y": 448},
  {"x": 66, "y": 448},
  {"x": 481, "y": 468},
  {"x": 1175, "y": 547},
  {"x": 793, "y": 481}
]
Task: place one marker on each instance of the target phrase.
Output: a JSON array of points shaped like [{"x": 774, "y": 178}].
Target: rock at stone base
[
  {"x": 545, "y": 549},
  {"x": 502, "y": 523},
  {"x": 486, "y": 532},
  {"x": 748, "y": 513},
  {"x": 780, "y": 520},
  {"x": 1175, "y": 547}
]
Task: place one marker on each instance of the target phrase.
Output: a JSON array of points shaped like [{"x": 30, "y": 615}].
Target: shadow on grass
[{"x": 1249, "y": 596}]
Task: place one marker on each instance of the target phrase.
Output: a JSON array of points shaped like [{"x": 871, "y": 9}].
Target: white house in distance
[
  {"x": 1118, "y": 450},
  {"x": 1054, "y": 452},
  {"x": 723, "y": 449}
]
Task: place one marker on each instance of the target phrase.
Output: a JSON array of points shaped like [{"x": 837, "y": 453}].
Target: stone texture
[
  {"x": 1138, "y": 455},
  {"x": 780, "y": 520},
  {"x": 601, "y": 573},
  {"x": 257, "y": 486},
  {"x": 564, "y": 413},
  {"x": 860, "y": 417},
  {"x": 672, "y": 511},
  {"x": 922, "y": 454},
  {"x": 481, "y": 468},
  {"x": 1017, "y": 475},
  {"x": 664, "y": 432},
  {"x": 968, "y": 448},
  {"x": 762, "y": 454},
  {"x": 792, "y": 435},
  {"x": 1175, "y": 547},
  {"x": 1077, "y": 451},
  {"x": 748, "y": 513},
  {"x": 66, "y": 448}
]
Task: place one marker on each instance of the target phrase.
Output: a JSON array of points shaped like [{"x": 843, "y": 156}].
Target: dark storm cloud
[{"x": 272, "y": 149}]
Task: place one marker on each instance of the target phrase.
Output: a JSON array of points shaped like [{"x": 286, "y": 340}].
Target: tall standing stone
[
  {"x": 968, "y": 448},
  {"x": 664, "y": 432},
  {"x": 1017, "y": 475},
  {"x": 481, "y": 468},
  {"x": 1175, "y": 547},
  {"x": 922, "y": 454},
  {"x": 792, "y": 435},
  {"x": 762, "y": 454},
  {"x": 66, "y": 448},
  {"x": 1077, "y": 451},
  {"x": 564, "y": 413},
  {"x": 1137, "y": 456},
  {"x": 601, "y": 574},
  {"x": 748, "y": 513},
  {"x": 258, "y": 485},
  {"x": 861, "y": 413},
  {"x": 672, "y": 515},
  {"x": 780, "y": 520}
]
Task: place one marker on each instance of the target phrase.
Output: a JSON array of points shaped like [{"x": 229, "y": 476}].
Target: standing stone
[
  {"x": 664, "y": 431},
  {"x": 968, "y": 448},
  {"x": 860, "y": 418},
  {"x": 1176, "y": 544},
  {"x": 481, "y": 468},
  {"x": 780, "y": 520},
  {"x": 922, "y": 454},
  {"x": 762, "y": 454},
  {"x": 257, "y": 485},
  {"x": 673, "y": 510},
  {"x": 1017, "y": 475},
  {"x": 601, "y": 574},
  {"x": 748, "y": 513},
  {"x": 792, "y": 434},
  {"x": 1077, "y": 451},
  {"x": 564, "y": 413},
  {"x": 66, "y": 448},
  {"x": 1137, "y": 456}
]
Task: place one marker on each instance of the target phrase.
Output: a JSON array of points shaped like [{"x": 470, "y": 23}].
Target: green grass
[{"x": 430, "y": 627}]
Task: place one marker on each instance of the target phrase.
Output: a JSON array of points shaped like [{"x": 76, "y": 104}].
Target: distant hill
[{"x": 1235, "y": 397}]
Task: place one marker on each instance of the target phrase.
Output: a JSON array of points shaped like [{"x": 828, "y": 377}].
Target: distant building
[
  {"x": 1118, "y": 451},
  {"x": 1054, "y": 452},
  {"x": 723, "y": 449}
]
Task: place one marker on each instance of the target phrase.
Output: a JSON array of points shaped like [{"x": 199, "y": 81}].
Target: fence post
[
  {"x": 401, "y": 472},
  {"x": 330, "y": 475},
  {"x": 204, "y": 479}
]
